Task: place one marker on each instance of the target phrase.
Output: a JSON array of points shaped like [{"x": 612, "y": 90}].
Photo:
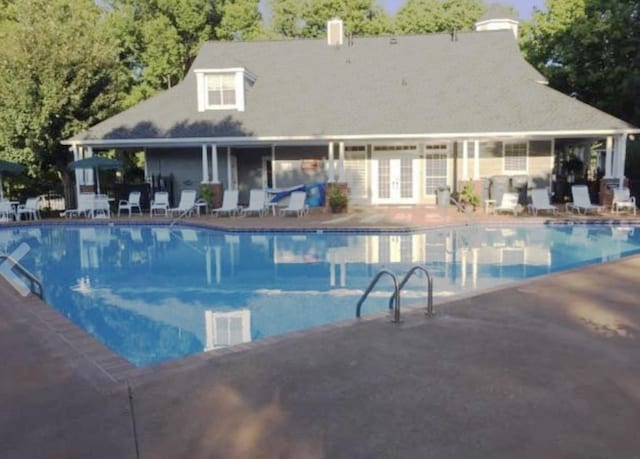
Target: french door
[{"x": 395, "y": 177}]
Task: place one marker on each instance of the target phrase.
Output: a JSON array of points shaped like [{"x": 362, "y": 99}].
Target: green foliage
[
  {"x": 589, "y": 48},
  {"x": 337, "y": 199},
  {"x": 158, "y": 40},
  {"x": 286, "y": 17},
  {"x": 309, "y": 18},
  {"x": 427, "y": 16},
  {"x": 59, "y": 74},
  {"x": 207, "y": 193},
  {"x": 468, "y": 196},
  {"x": 241, "y": 20}
]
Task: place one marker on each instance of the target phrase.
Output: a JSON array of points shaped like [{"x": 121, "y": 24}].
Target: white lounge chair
[
  {"x": 582, "y": 201},
  {"x": 130, "y": 204},
  {"x": 296, "y": 204},
  {"x": 622, "y": 200},
  {"x": 85, "y": 206},
  {"x": 257, "y": 203},
  {"x": 509, "y": 203},
  {"x": 29, "y": 209},
  {"x": 160, "y": 202},
  {"x": 187, "y": 203},
  {"x": 7, "y": 212},
  {"x": 540, "y": 202},
  {"x": 229, "y": 203}
]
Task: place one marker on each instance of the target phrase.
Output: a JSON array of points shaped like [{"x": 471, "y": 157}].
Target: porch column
[
  {"x": 341, "y": 162},
  {"x": 214, "y": 164},
  {"x": 476, "y": 160},
  {"x": 330, "y": 172},
  {"x": 205, "y": 165},
  {"x": 608, "y": 157},
  {"x": 76, "y": 156},
  {"x": 465, "y": 160},
  {"x": 273, "y": 166},
  {"x": 229, "y": 168},
  {"x": 621, "y": 156},
  {"x": 88, "y": 173}
]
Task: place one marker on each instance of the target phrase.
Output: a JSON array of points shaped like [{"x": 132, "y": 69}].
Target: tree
[
  {"x": 240, "y": 20},
  {"x": 590, "y": 49},
  {"x": 159, "y": 39},
  {"x": 59, "y": 74},
  {"x": 428, "y": 16},
  {"x": 360, "y": 17},
  {"x": 286, "y": 17}
]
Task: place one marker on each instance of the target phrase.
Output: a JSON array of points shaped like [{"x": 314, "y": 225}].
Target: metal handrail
[
  {"x": 35, "y": 282},
  {"x": 429, "y": 287},
  {"x": 396, "y": 294},
  {"x": 180, "y": 216}
]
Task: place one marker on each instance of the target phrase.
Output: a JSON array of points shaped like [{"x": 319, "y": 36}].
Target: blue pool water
[{"x": 153, "y": 294}]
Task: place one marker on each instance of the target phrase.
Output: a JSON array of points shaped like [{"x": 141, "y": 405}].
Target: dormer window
[{"x": 221, "y": 89}]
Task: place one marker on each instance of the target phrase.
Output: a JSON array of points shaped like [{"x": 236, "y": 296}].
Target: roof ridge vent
[{"x": 335, "y": 32}]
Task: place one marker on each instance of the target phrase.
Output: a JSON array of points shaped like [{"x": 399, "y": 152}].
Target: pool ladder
[
  {"x": 394, "y": 301},
  {"x": 35, "y": 286}
]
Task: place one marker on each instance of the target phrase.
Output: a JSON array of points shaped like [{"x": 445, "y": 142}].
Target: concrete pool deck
[{"x": 549, "y": 367}]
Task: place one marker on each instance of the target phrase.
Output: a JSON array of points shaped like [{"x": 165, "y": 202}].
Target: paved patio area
[{"x": 546, "y": 368}]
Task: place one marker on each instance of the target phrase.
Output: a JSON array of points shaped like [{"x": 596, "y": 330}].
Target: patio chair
[
  {"x": 186, "y": 205},
  {"x": 229, "y": 203},
  {"x": 540, "y": 202},
  {"x": 29, "y": 209},
  {"x": 582, "y": 201},
  {"x": 101, "y": 207},
  {"x": 622, "y": 200},
  {"x": 257, "y": 203},
  {"x": 85, "y": 206},
  {"x": 7, "y": 211},
  {"x": 130, "y": 204},
  {"x": 509, "y": 203},
  {"x": 160, "y": 202},
  {"x": 296, "y": 204}
]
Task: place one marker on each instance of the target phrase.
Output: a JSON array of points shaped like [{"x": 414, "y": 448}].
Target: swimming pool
[{"x": 151, "y": 293}]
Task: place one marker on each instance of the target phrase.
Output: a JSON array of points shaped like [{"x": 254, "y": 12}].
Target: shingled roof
[{"x": 377, "y": 87}]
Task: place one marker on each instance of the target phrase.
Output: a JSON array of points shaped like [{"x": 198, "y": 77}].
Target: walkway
[{"x": 547, "y": 368}]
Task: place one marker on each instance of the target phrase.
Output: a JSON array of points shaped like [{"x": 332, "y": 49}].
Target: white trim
[
  {"x": 225, "y": 70},
  {"x": 322, "y": 139}
]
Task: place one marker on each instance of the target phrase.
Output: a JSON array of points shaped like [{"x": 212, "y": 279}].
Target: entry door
[{"x": 395, "y": 179}]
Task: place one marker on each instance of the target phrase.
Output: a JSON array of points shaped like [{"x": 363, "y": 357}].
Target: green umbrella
[
  {"x": 96, "y": 162},
  {"x": 7, "y": 167}
]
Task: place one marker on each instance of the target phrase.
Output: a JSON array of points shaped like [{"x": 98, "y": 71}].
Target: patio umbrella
[
  {"x": 95, "y": 163},
  {"x": 7, "y": 167}
]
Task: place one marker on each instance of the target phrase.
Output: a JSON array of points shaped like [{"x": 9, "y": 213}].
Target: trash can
[
  {"x": 500, "y": 184},
  {"x": 443, "y": 196},
  {"x": 520, "y": 185},
  {"x": 316, "y": 194}
]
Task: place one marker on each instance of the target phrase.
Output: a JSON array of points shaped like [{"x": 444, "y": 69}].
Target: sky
[{"x": 524, "y": 7}]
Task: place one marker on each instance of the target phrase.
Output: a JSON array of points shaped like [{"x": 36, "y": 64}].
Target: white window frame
[
  {"x": 239, "y": 75},
  {"x": 446, "y": 151},
  {"x": 526, "y": 157}
]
